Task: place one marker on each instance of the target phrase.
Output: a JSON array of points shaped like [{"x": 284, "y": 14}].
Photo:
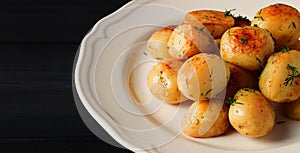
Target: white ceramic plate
[{"x": 110, "y": 77}]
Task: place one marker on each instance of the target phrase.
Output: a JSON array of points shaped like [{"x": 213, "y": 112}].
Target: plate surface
[{"x": 111, "y": 72}]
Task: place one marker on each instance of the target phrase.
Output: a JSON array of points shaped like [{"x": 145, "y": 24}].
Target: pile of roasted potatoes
[{"x": 233, "y": 69}]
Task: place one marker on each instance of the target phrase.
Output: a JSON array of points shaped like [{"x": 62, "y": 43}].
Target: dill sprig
[
  {"x": 232, "y": 101},
  {"x": 244, "y": 40},
  {"x": 291, "y": 77},
  {"x": 284, "y": 49},
  {"x": 292, "y": 25},
  {"x": 228, "y": 12}
]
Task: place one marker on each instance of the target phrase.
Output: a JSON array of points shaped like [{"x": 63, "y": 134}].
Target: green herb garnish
[
  {"x": 284, "y": 49},
  {"x": 293, "y": 25},
  {"x": 228, "y": 12},
  {"x": 160, "y": 59},
  {"x": 244, "y": 40},
  {"x": 197, "y": 121},
  {"x": 248, "y": 89},
  {"x": 208, "y": 92},
  {"x": 259, "y": 17},
  {"x": 232, "y": 101},
  {"x": 241, "y": 17},
  {"x": 228, "y": 32},
  {"x": 291, "y": 77},
  {"x": 259, "y": 12},
  {"x": 200, "y": 29},
  {"x": 259, "y": 61},
  {"x": 262, "y": 66}
]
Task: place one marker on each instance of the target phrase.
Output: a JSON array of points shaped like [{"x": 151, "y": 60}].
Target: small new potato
[
  {"x": 282, "y": 21},
  {"x": 292, "y": 109},
  {"x": 158, "y": 43},
  {"x": 278, "y": 81},
  {"x": 203, "y": 76},
  {"x": 189, "y": 39},
  {"x": 180, "y": 44},
  {"x": 162, "y": 82},
  {"x": 247, "y": 47},
  {"x": 196, "y": 118},
  {"x": 251, "y": 114},
  {"x": 216, "y": 22}
]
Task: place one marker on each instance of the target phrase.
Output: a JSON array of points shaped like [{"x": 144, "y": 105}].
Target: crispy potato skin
[
  {"x": 162, "y": 82},
  {"x": 253, "y": 116},
  {"x": 203, "y": 76},
  {"x": 247, "y": 47},
  {"x": 215, "y": 21},
  {"x": 282, "y": 21},
  {"x": 292, "y": 109},
  {"x": 195, "y": 117},
  {"x": 158, "y": 43},
  {"x": 273, "y": 77}
]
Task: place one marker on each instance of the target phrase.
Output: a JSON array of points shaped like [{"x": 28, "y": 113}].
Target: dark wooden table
[{"x": 38, "y": 43}]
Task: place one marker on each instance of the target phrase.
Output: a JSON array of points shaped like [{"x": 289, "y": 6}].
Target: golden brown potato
[
  {"x": 247, "y": 47},
  {"x": 196, "y": 118},
  {"x": 240, "y": 78},
  {"x": 162, "y": 82},
  {"x": 203, "y": 76},
  {"x": 282, "y": 20},
  {"x": 280, "y": 80},
  {"x": 191, "y": 38},
  {"x": 251, "y": 114},
  {"x": 180, "y": 44},
  {"x": 216, "y": 22},
  {"x": 292, "y": 109},
  {"x": 158, "y": 43}
]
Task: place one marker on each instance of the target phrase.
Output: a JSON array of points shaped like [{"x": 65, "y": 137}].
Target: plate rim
[{"x": 100, "y": 120}]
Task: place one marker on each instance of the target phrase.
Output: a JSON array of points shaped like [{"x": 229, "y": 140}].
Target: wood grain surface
[{"x": 38, "y": 43}]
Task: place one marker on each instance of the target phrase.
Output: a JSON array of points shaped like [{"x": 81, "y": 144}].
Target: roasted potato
[
  {"x": 292, "y": 109},
  {"x": 240, "y": 78},
  {"x": 282, "y": 21},
  {"x": 162, "y": 82},
  {"x": 247, "y": 47},
  {"x": 180, "y": 44},
  {"x": 216, "y": 22},
  {"x": 203, "y": 76},
  {"x": 198, "y": 123},
  {"x": 280, "y": 80},
  {"x": 158, "y": 43},
  {"x": 251, "y": 114}
]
